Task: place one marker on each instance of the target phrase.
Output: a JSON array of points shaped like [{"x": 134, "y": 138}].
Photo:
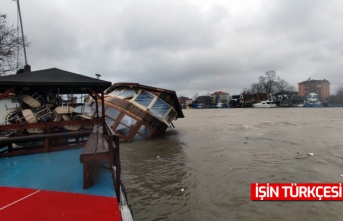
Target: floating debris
[{"x": 303, "y": 156}]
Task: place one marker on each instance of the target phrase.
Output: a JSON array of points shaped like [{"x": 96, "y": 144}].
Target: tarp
[{"x": 53, "y": 77}]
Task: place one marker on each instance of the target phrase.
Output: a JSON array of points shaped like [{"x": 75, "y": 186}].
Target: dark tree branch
[{"x": 10, "y": 47}]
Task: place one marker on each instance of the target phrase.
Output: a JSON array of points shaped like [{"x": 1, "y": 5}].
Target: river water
[{"x": 202, "y": 169}]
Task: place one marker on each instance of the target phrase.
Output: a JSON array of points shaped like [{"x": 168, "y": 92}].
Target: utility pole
[{"x": 22, "y": 30}]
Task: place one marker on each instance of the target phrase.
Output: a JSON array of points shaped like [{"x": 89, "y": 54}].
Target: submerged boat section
[{"x": 139, "y": 112}]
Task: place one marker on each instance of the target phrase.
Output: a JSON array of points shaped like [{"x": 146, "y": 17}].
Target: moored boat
[
  {"x": 312, "y": 100},
  {"x": 265, "y": 104},
  {"x": 82, "y": 179}
]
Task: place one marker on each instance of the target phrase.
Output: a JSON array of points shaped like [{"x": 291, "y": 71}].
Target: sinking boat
[
  {"x": 82, "y": 179},
  {"x": 139, "y": 112},
  {"x": 265, "y": 104}
]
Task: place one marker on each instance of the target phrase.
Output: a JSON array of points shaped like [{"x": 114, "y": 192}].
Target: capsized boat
[
  {"x": 139, "y": 112},
  {"x": 265, "y": 104}
]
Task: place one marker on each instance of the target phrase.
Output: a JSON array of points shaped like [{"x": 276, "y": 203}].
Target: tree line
[{"x": 270, "y": 83}]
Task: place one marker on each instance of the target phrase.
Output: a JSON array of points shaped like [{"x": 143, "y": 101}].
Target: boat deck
[
  {"x": 32, "y": 204},
  {"x": 40, "y": 186}
]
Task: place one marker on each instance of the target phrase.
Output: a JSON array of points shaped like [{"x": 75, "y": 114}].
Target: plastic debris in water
[
  {"x": 182, "y": 190},
  {"x": 310, "y": 154},
  {"x": 158, "y": 157}
]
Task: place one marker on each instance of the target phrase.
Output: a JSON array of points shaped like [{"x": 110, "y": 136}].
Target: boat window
[
  {"x": 122, "y": 129},
  {"x": 125, "y": 93},
  {"x": 125, "y": 125},
  {"x": 145, "y": 131},
  {"x": 159, "y": 109},
  {"x": 111, "y": 112},
  {"x": 268, "y": 102},
  {"x": 128, "y": 121},
  {"x": 138, "y": 137},
  {"x": 115, "y": 92},
  {"x": 171, "y": 115},
  {"x": 144, "y": 98},
  {"x": 109, "y": 121}
]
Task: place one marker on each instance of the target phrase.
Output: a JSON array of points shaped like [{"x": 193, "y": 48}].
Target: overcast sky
[{"x": 190, "y": 46}]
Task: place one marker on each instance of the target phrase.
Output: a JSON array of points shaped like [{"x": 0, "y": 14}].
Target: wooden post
[
  {"x": 47, "y": 140},
  {"x": 103, "y": 112},
  {"x": 46, "y": 145},
  {"x": 86, "y": 183},
  {"x": 118, "y": 166}
]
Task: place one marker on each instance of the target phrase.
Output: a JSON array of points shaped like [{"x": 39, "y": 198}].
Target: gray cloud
[{"x": 188, "y": 46}]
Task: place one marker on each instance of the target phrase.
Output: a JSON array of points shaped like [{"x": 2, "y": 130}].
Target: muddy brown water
[{"x": 202, "y": 169}]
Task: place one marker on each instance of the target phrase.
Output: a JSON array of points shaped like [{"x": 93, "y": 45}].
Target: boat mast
[{"x": 22, "y": 31}]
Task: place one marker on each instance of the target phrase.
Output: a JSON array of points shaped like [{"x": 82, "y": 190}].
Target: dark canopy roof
[{"x": 52, "y": 78}]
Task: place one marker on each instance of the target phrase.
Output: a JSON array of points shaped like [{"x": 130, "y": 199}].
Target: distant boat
[
  {"x": 265, "y": 104},
  {"x": 312, "y": 100},
  {"x": 220, "y": 105},
  {"x": 300, "y": 105}
]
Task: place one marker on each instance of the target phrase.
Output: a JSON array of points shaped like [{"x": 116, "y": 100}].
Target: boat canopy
[{"x": 45, "y": 79}]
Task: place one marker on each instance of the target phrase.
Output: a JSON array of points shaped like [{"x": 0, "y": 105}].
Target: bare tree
[
  {"x": 270, "y": 84},
  {"x": 291, "y": 88},
  {"x": 195, "y": 96},
  {"x": 246, "y": 90},
  {"x": 256, "y": 88},
  {"x": 10, "y": 47}
]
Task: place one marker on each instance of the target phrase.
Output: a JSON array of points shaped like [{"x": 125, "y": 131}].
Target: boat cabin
[{"x": 139, "y": 112}]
